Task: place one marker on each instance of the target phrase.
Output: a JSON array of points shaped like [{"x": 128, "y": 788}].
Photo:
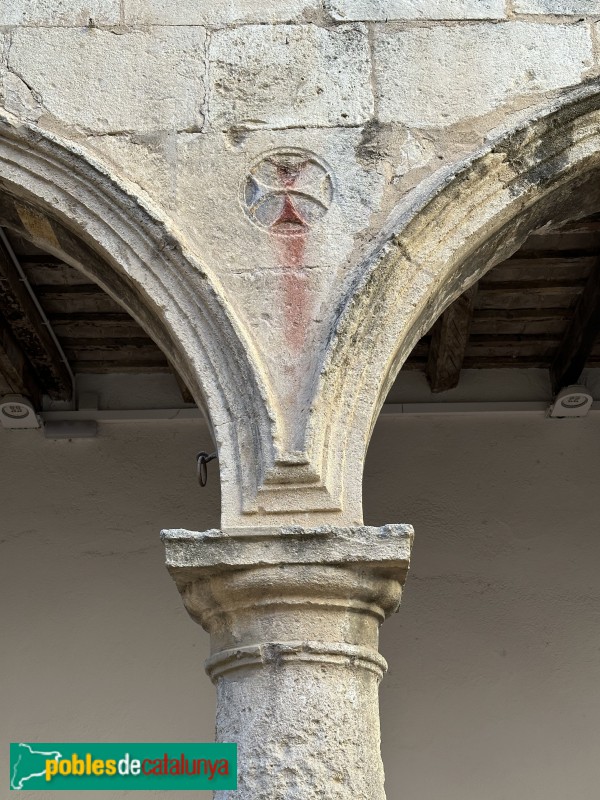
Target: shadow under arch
[
  {"x": 55, "y": 195},
  {"x": 449, "y": 232}
]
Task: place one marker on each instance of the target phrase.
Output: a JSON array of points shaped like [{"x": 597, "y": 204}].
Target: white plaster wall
[
  {"x": 495, "y": 655},
  {"x": 96, "y": 645},
  {"x": 494, "y": 658}
]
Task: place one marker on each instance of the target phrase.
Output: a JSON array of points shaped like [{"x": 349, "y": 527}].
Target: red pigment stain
[{"x": 289, "y": 234}]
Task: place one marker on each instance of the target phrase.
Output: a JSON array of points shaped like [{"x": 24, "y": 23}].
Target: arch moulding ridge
[
  {"x": 70, "y": 205},
  {"x": 443, "y": 238}
]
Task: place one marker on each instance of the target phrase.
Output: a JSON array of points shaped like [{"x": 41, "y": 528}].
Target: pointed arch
[
  {"x": 451, "y": 230},
  {"x": 71, "y": 206}
]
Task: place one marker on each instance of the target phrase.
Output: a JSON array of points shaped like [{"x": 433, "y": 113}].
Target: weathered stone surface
[
  {"x": 19, "y": 99},
  {"x": 305, "y": 730},
  {"x": 217, "y": 549},
  {"x": 147, "y": 159},
  {"x": 104, "y": 82},
  {"x": 212, "y": 172},
  {"x": 294, "y": 616},
  {"x": 139, "y": 105},
  {"x": 59, "y": 12},
  {"x": 557, "y": 6},
  {"x": 290, "y": 76},
  {"x": 523, "y": 178},
  {"x": 440, "y": 75},
  {"x": 273, "y": 282},
  {"x": 193, "y": 12},
  {"x": 382, "y": 10}
]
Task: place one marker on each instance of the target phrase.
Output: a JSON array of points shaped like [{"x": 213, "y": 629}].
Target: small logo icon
[{"x": 30, "y": 763}]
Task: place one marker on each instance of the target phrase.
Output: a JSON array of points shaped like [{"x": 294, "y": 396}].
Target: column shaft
[{"x": 294, "y": 619}]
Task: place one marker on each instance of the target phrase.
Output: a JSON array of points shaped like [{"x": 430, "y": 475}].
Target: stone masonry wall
[{"x": 187, "y": 99}]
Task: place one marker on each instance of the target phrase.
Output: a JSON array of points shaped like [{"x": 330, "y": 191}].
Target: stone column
[{"x": 294, "y": 617}]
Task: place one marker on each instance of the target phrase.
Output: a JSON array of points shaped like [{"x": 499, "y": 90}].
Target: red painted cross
[{"x": 286, "y": 193}]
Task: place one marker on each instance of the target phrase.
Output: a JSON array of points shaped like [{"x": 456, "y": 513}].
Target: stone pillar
[{"x": 294, "y": 617}]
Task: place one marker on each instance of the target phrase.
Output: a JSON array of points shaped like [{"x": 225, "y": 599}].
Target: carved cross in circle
[{"x": 287, "y": 192}]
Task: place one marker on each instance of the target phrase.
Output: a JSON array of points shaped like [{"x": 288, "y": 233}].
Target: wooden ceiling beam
[
  {"x": 30, "y": 332},
  {"x": 16, "y": 374},
  {"x": 449, "y": 339},
  {"x": 583, "y": 329}
]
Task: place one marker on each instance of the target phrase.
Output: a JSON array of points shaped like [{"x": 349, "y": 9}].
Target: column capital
[
  {"x": 231, "y": 580},
  {"x": 294, "y": 618}
]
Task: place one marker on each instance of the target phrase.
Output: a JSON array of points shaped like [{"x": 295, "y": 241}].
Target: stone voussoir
[
  {"x": 439, "y": 75},
  {"x": 192, "y": 12},
  {"x": 168, "y": 64},
  {"x": 383, "y": 10},
  {"x": 59, "y": 13},
  {"x": 290, "y": 76}
]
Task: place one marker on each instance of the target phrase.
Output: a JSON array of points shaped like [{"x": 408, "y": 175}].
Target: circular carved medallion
[{"x": 287, "y": 191}]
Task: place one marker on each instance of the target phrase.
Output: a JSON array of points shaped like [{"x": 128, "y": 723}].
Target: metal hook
[{"x": 202, "y": 460}]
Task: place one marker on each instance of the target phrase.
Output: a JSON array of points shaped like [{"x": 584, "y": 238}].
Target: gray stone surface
[
  {"x": 305, "y": 731},
  {"x": 389, "y": 544},
  {"x": 213, "y": 167},
  {"x": 294, "y": 618},
  {"x": 107, "y": 82},
  {"x": 59, "y": 12},
  {"x": 211, "y": 170},
  {"x": 147, "y": 159},
  {"x": 290, "y": 76},
  {"x": 198, "y": 12},
  {"x": 19, "y": 99},
  {"x": 382, "y": 10},
  {"x": 140, "y": 91},
  {"x": 135, "y": 96},
  {"x": 440, "y": 75},
  {"x": 557, "y": 6}
]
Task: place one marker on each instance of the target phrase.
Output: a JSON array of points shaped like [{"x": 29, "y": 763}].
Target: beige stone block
[
  {"x": 557, "y": 6},
  {"x": 437, "y": 76},
  {"x": 105, "y": 82},
  {"x": 221, "y": 12},
  {"x": 290, "y": 76},
  {"x": 59, "y": 12},
  {"x": 382, "y": 10}
]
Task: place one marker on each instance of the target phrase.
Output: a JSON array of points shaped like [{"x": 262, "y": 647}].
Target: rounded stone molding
[
  {"x": 69, "y": 204},
  {"x": 446, "y": 234},
  {"x": 439, "y": 241},
  {"x": 279, "y": 653},
  {"x": 287, "y": 191}
]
